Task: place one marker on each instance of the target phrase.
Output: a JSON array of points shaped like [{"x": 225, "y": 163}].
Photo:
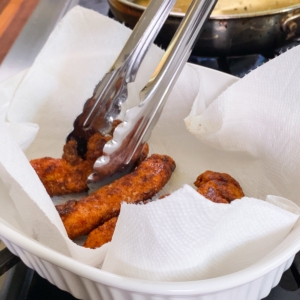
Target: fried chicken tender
[
  {"x": 60, "y": 177},
  {"x": 95, "y": 146},
  {"x": 211, "y": 175},
  {"x": 68, "y": 174},
  {"x": 218, "y": 187},
  {"x": 101, "y": 235},
  {"x": 81, "y": 217},
  {"x": 70, "y": 154}
]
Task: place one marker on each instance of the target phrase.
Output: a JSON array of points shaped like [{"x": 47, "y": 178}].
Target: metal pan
[{"x": 232, "y": 32}]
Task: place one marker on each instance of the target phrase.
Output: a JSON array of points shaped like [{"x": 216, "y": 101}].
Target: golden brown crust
[
  {"x": 211, "y": 175},
  {"x": 101, "y": 235},
  {"x": 220, "y": 192},
  {"x": 68, "y": 174},
  {"x": 95, "y": 147},
  {"x": 60, "y": 177},
  {"x": 70, "y": 153},
  {"x": 218, "y": 187},
  {"x": 143, "y": 183}
]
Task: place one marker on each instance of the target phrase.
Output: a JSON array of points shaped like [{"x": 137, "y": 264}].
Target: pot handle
[{"x": 290, "y": 25}]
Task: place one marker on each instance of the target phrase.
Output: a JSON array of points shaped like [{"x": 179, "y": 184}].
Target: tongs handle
[
  {"x": 142, "y": 36},
  {"x": 139, "y": 121},
  {"x": 111, "y": 92},
  {"x": 158, "y": 88}
]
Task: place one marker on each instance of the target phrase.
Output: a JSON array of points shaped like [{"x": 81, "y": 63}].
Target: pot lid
[
  {"x": 233, "y": 7},
  {"x": 230, "y": 8}
]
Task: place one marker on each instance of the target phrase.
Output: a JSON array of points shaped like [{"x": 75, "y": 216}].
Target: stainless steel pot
[{"x": 228, "y": 34}]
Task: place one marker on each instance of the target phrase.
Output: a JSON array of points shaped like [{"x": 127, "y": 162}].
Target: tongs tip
[{"x": 122, "y": 152}]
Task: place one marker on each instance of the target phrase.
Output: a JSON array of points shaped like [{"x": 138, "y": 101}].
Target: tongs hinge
[
  {"x": 130, "y": 136},
  {"x": 122, "y": 151},
  {"x": 105, "y": 105}
]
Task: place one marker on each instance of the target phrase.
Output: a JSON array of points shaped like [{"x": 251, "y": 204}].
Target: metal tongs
[{"x": 99, "y": 112}]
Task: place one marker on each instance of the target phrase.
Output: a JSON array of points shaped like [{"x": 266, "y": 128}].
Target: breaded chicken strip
[
  {"x": 211, "y": 175},
  {"x": 218, "y": 187},
  {"x": 81, "y": 217},
  {"x": 101, "y": 235},
  {"x": 69, "y": 174},
  {"x": 59, "y": 177}
]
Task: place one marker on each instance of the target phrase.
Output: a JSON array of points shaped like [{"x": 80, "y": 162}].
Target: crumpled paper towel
[
  {"x": 253, "y": 127},
  {"x": 258, "y": 116},
  {"x": 40, "y": 105},
  {"x": 185, "y": 237},
  {"x": 252, "y": 130}
]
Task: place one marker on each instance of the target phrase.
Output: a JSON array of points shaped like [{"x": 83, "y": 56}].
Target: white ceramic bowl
[{"x": 85, "y": 282}]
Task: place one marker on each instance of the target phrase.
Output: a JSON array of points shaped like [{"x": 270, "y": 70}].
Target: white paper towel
[
  {"x": 186, "y": 237},
  {"x": 259, "y": 116},
  {"x": 41, "y": 105}
]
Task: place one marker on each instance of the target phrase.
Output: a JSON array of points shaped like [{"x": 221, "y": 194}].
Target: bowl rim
[
  {"x": 218, "y": 17},
  {"x": 16, "y": 239},
  {"x": 187, "y": 288}
]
